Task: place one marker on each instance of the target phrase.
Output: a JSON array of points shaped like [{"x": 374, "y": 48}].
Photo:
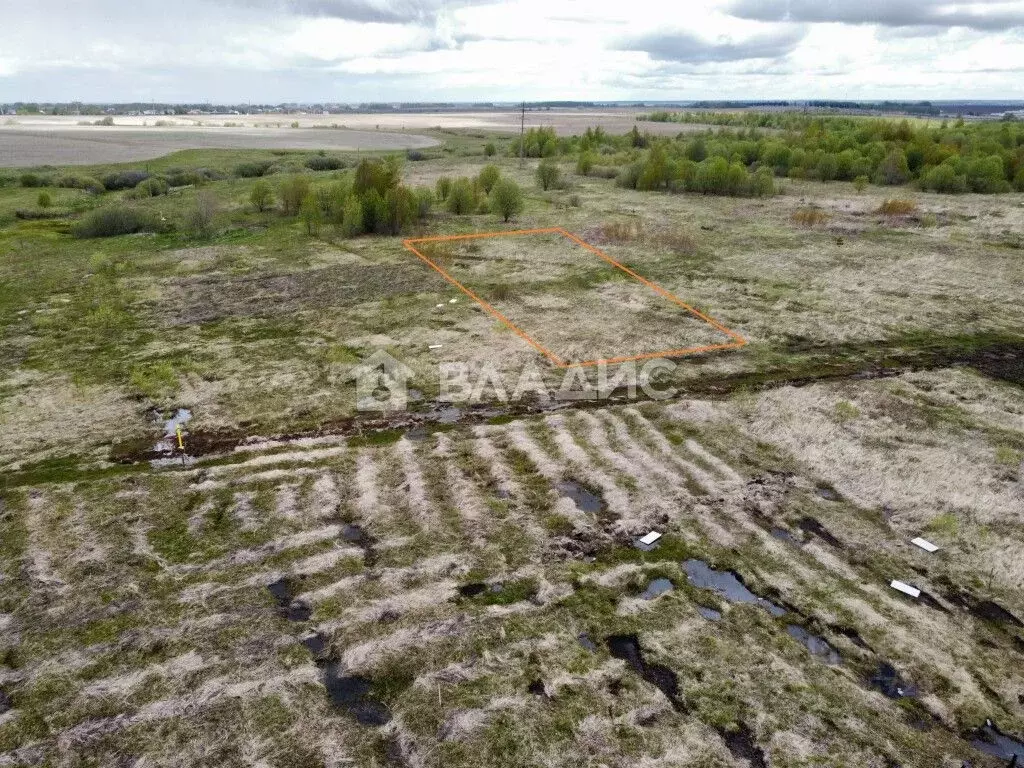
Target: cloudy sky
[{"x": 460, "y": 50}]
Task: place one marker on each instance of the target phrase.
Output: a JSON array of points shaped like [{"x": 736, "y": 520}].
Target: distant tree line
[{"x": 951, "y": 156}]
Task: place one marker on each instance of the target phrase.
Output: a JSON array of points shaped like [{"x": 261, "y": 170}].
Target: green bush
[
  {"x": 506, "y": 199},
  {"x": 322, "y": 163},
  {"x": 261, "y": 196},
  {"x": 414, "y": 155},
  {"x": 893, "y": 169},
  {"x": 124, "y": 179},
  {"x": 110, "y": 222},
  {"x": 424, "y": 202},
  {"x": 293, "y": 191},
  {"x": 310, "y": 215},
  {"x": 462, "y": 197},
  {"x": 352, "y": 218},
  {"x": 32, "y": 180},
  {"x": 253, "y": 170},
  {"x": 87, "y": 183},
  {"x": 44, "y": 200},
  {"x": 487, "y": 178},
  {"x": 151, "y": 187},
  {"x": 585, "y": 163},
  {"x": 944, "y": 178},
  {"x": 548, "y": 174},
  {"x": 490, "y": 150},
  {"x": 443, "y": 188},
  {"x": 379, "y": 175},
  {"x": 628, "y": 176}
]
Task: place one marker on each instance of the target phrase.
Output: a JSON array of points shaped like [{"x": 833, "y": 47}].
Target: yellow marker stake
[{"x": 181, "y": 443}]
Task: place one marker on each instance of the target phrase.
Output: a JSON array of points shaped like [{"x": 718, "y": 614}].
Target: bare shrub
[
  {"x": 808, "y": 216},
  {"x": 896, "y": 206}
]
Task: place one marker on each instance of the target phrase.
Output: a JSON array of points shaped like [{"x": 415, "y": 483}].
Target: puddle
[
  {"x": 709, "y": 613},
  {"x": 354, "y": 534},
  {"x": 818, "y": 646},
  {"x": 169, "y": 441},
  {"x": 828, "y": 493},
  {"x": 627, "y": 648},
  {"x": 584, "y": 499},
  {"x": 728, "y": 585},
  {"x": 990, "y": 740},
  {"x": 418, "y": 433},
  {"x": 852, "y": 635},
  {"x": 783, "y": 535},
  {"x": 472, "y": 590},
  {"x": 814, "y": 527},
  {"x": 655, "y": 588},
  {"x": 350, "y": 693},
  {"x": 316, "y": 644},
  {"x": 293, "y": 610},
  {"x": 450, "y": 415},
  {"x": 537, "y": 688},
  {"x": 990, "y": 611},
  {"x": 740, "y": 743},
  {"x": 587, "y": 642},
  {"x": 889, "y": 682}
]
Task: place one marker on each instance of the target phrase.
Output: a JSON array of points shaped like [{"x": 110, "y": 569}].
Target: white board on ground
[
  {"x": 906, "y": 589},
  {"x": 924, "y": 544},
  {"x": 650, "y": 538}
]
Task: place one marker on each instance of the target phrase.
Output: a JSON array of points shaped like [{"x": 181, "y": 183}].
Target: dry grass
[
  {"x": 808, "y": 216},
  {"x": 896, "y": 206}
]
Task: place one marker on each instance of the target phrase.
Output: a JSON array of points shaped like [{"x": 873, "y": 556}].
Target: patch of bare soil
[{"x": 195, "y": 300}]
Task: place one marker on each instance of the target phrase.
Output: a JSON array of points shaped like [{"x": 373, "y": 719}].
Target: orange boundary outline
[{"x": 738, "y": 340}]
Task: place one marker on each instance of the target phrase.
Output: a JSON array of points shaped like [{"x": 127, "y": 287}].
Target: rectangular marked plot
[{"x": 571, "y": 301}]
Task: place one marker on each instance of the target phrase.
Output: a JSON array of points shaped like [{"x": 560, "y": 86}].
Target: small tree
[
  {"x": 548, "y": 174},
  {"x": 261, "y": 196},
  {"x": 462, "y": 197},
  {"x": 444, "y": 187},
  {"x": 585, "y": 163},
  {"x": 352, "y": 218},
  {"x": 44, "y": 200},
  {"x": 424, "y": 201},
  {"x": 490, "y": 150},
  {"x": 488, "y": 176},
  {"x": 293, "y": 192},
  {"x": 506, "y": 199},
  {"x": 860, "y": 183},
  {"x": 311, "y": 215}
]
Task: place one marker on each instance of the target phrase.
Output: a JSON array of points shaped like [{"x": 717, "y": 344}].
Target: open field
[
  {"x": 47, "y": 140},
  {"x": 458, "y": 584},
  {"x": 69, "y": 145}
]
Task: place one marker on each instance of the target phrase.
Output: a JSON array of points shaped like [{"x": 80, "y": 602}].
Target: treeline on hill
[
  {"x": 639, "y": 161},
  {"x": 366, "y": 199},
  {"x": 984, "y": 157}
]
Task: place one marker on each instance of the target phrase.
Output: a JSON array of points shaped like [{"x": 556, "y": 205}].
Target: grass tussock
[
  {"x": 634, "y": 231},
  {"x": 897, "y": 206},
  {"x": 109, "y": 222},
  {"x": 808, "y": 216}
]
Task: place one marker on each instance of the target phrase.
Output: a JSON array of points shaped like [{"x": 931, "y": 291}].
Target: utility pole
[{"x": 522, "y": 131}]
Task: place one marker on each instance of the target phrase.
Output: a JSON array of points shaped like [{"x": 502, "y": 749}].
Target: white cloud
[{"x": 434, "y": 50}]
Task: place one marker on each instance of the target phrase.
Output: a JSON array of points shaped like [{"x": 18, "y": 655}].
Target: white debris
[
  {"x": 650, "y": 538},
  {"x": 435, "y": 346},
  {"x": 906, "y": 589},
  {"x": 924, "y": 544},
  {"x": 439, "y": 305},
  {"x": 452, "y": 301}
]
